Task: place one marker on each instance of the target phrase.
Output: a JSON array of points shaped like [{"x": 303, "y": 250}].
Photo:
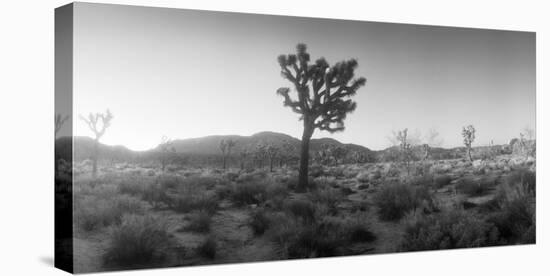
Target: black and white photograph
[{"x": 188, "y": 137}]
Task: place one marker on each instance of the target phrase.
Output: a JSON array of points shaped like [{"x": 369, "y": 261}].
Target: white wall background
[{"x": 26, "y": 113}]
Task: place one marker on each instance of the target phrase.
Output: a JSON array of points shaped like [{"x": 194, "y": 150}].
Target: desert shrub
[
  {"x": 395, "y": 200},
  {"x": 322, "y": 238},
  {"x": 423, "y": 180},
  {"x": 207, "y": 248},
  {"x": 441, "y": 181},
  {"x": 185, "y": 203},
  {"x": 521, "y": 182},
  {"x": 131, "y": 185},
  {"x": 92, "y": 213},
  {"x": 329, "y": 197},
  {"x": 301, "y": 209},
  {"x": 357, "y": 231},
  {"x": 155, "y": 195},
  {"x": 137, "y": 240},
  {"x": 199, "y": 222},
  {"x": 473, "y": 187},
  {"x": 259, "y": 221},
  {"x": 515, "y": 220},
  {"x": 455, "y": 229},
  {"x": 251, "y": 177},
  {"x": 257, "y": 192},
  {"x": 169, "y": 181}
]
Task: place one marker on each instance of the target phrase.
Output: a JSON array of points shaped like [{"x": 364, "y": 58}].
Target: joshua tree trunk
[
  {"x": 304, "y": 156},
  {"x": 224, "y": 159},
  {"x": 470, "y": 154},
  {"x": 94, "y": 159}
]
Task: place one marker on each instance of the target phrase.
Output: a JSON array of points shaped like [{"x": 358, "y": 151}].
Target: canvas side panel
[{"x": 64, "y": 137}]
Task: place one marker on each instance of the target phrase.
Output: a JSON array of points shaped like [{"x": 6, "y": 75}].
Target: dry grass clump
[
  {"x": 138, "y": 240},
  {"x": 93, "y": 212}
]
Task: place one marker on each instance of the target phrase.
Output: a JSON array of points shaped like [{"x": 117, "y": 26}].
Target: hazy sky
[{"x": 186, "y": 74}]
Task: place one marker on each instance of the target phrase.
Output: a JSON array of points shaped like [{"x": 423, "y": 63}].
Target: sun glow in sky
[{"x": 185, "y": 74}]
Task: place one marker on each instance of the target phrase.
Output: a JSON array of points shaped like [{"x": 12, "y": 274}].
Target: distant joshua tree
[
  {"x": 287, "y": 153},
  {"x": 167, "y": 151},
  {"x": 98, "y": 124},
  {"x": 244, "y": 154},
  {"x": 272, "y": 153},
  {"x": 322, "y": 96},
  {"x": 405, "y": 148},
  {"x": 260, "y": 153},
  {"x": 225, "y": 148},
  {"x": 59, "y": 121},
  {"x": 339, "y": 153},
  {"x": 469, "y": 135}
]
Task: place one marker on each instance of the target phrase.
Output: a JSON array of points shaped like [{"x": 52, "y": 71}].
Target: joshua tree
[
  {"x": 432, "y": 139},
  {"x": 260, "y": 154},
  {"x": 98, "y": 124},
  {"x": 272, "y": 153},
  {"x": 405, "y": 148},
  {"x": 59, "y": 121},
  {"x": 469, "y": 135},
  {"x": 167, "y": 151},
  {"x": 225, "y": 148},
  {"x": 287, "y": 153},
  {"x": 244, "y": 154},
  {"x": 339, "y": 153},
  {"x": 322, "y": 96}
]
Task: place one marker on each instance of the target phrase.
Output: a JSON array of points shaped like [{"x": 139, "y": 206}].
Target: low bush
[
  {"x": 186, "y": 203},
  {"x": 423, "y": 180},
  {"x": 138, "y": 240},
  {"x": 475, "y": 187},
  {"x": 441, "y": 181},
  {"x": 301, "y": 209},
  {"x": 455, "y": 229},
  {"x": 516, "y": 220},
  {"x": 199, "y": 222},
  {"x": 247, "y": 193},
  {"x": 259, "y": 221},
  {"x": 328, "y": 197},
  {"x": 207, "y": 248},
  {"x": 323, "y": 238},
  {"x": 395, "y": 200},
  {"x": 92, "y": 213}
]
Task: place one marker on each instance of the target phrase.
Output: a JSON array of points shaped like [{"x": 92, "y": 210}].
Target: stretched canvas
[{"x": 188, "y": 137}]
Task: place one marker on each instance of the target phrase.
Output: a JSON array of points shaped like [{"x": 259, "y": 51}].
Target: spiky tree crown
[
  {"x": 98, "y": 122},
  {"x": 469, "y": 135},
  {"x": 322, "y": 92}
]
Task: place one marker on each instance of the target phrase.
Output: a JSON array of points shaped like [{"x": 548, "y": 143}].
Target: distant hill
[{"x": 209, "y": 146}]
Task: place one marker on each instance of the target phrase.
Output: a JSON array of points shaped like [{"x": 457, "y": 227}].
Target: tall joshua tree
[
  {"x": 167, "y": 151},
  {"x": 469, "y": 135},
  {"x": 322, "y": 96},
  {"x": 405, "y": 147},
  {"x": 98, "y": 124},
  {"x": 225, "y": 148},
  {"x": 272, "y": 152}
]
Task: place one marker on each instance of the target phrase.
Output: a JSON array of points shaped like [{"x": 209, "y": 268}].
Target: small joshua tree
[
  {"x": 225, "y": 148},
  {"x": 244, "y": 155},
  {"x": 98, "y": 124},
  {"x": 339, "y": 153},
  {"x": 260, "y": 154},
  {"x": 272, "y": 153},
  {"x": 287, "y": 153},
  {"x": 469, "y": 135},
  {"x": 322, "y": 96},
  {"x": 167, "y": 152},
  {"x": 405, "y": 148},
  {"x": 59, "y": 122}
]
